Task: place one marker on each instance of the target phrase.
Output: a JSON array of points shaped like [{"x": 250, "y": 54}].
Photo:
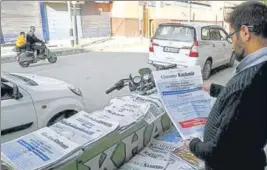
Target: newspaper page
[
  {"x": 151, "y": 107},
  {"x": 155, "y": 154},
  {"x": 144, "y": 163},
  {"x": 125, "y": 111},
  {"x": 177, "y": 164},
  {"x": 185, "y": 155},
  {"x": 171, "y": 135},
  {"x": 76, "y": 132},
  {"x": 184, "y": 99},
  {"x": 37, "y": 150},
  {"x": 90, "y": 121},
  {"x": 163, "y": 145}
]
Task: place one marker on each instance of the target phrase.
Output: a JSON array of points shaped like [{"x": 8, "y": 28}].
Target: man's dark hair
[
  {"x": 21, "y": 33},
  {"x": 251, "y": 14}
]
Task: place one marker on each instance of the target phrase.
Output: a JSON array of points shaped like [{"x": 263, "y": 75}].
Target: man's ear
[{"x": 244, "y": 33}]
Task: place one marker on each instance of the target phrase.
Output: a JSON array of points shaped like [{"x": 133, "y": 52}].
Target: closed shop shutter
[
  {"x": 95, "y": 22},
  {"x": 58, "y": 21},
  {"x": 17, "y": 16}
]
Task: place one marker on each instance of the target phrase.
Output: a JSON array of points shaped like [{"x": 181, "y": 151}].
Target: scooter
[{"x": 25, "y": 58}]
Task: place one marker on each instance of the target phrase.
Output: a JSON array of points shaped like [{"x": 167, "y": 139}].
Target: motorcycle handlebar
[{"x": 111, "y": 89}]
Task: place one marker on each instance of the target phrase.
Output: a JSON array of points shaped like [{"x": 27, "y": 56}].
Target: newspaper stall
[
  {"x": 131, "y": 133},
  {"x": 94, "y": 141}
]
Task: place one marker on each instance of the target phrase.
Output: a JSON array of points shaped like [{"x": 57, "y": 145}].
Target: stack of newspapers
[
  {"x": 84, "y": 128},
  {"x": 166, "y": 152},
  {"x": 39, "y": 150},
  {"x": 128, "y": 110},
  {"x": 52, "y": 146}
]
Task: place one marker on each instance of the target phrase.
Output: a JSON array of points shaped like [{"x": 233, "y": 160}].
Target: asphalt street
[{"x": 95, "y": 72}]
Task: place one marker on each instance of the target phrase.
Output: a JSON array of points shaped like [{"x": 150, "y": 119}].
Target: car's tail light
[
  {"x": 194, "y": 50},
  {"x": 152, "y": 44}
]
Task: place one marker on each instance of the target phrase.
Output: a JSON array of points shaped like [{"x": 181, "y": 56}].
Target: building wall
[
  {"x": 96, "y": 19},
  {"x": 125, "y": 16},
  {"x": 17, "y": 16}
]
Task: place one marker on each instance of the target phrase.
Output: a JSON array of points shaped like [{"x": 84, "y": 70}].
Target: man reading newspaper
[{"x": 236, "y": 131}]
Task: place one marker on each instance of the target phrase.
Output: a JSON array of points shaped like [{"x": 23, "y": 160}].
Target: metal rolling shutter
[
  {"x": 95, "y": 23},
  {"x": 58, "y": 21},
  {"x": 17, "y": 16}
]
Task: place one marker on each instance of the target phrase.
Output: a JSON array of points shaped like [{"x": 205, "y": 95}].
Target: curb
[
  {"x": 95, "y": 42},
  {"x": 12, "y": 58},
  {"x": 115, "y": 46}
]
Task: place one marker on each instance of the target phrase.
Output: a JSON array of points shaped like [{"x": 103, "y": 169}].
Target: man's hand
[
  {"x": 187, "y": 142},
  {"x": 206, "y": 86}
]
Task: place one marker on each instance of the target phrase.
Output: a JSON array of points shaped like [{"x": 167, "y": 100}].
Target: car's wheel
[
  {"x": 60, "y": 116},
  {"x": 24, "y": 64},
  {"x": 206, "y": 71},
  {"x": 232, "y": 60}
]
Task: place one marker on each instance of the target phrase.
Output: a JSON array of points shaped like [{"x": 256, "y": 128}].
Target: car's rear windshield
[{"x": 175, "y": 33}]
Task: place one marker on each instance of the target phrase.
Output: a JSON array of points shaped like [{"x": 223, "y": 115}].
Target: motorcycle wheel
[
  {"x": 52, "y": 59},
  {"x": 24, "y": 64}
]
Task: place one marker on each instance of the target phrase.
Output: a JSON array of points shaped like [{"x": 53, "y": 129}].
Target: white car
[
  {"x": 191, "y": 44},
  {"x": 30, "y": 102}
]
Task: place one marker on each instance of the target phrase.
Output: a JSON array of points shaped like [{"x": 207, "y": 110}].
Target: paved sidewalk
[{"x": 107, "y": 44}]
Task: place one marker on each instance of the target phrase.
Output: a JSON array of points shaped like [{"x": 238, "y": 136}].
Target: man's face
[
  {"x": 237, "y": 45},
  {"x": 240, "y": 42},
  {"x": 32, "y": 29}
]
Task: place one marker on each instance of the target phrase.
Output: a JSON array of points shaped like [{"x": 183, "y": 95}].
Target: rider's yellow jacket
[{"x": 20, "y": 41}]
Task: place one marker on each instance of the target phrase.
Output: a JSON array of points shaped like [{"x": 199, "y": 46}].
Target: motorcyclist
[{"x": 32, "y": 40}]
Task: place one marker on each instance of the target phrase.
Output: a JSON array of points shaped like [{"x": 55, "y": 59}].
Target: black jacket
[
  {"x": 236, "y": 131},
  {"x": 31, "y": 38}
]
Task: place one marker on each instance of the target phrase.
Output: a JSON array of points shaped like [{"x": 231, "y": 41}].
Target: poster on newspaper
[
  {"x": 38, "y": 150},
  {"x": 184, "y": 99}
]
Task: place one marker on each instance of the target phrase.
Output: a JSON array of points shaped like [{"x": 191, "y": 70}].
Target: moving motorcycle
[
  {"x": 25, "y": 58},
  {"x": 143, "y": 84}
]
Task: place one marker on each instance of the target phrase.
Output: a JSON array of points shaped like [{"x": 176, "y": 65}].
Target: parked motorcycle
[
  {"x": 25, "y": 58},
  {"x": 143, "y": 84}
]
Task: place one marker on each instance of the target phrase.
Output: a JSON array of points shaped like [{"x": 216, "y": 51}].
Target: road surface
[{"x": 95, "y": 72}]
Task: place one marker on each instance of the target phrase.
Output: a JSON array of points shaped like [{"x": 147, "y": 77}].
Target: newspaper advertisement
[
  {"x": 144, "y": 163},
  {"x": 184, "y": 99},
  {"x": 185, "y": 155},
  {"x": 76, "y": 131},
  {"x": 37, "y": 150}
]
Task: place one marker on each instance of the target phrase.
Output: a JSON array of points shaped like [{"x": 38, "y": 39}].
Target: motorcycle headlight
[{"x": 76, "y": 91}]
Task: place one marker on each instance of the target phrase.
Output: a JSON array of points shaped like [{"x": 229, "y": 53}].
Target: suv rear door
[
  {"x": 172, "y": 44},
  {"x": 217, "y": 47},
  {"x": 226, "y": 45}
]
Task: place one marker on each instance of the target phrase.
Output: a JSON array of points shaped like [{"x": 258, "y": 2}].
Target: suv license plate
[{"x": 171, "y": 49}]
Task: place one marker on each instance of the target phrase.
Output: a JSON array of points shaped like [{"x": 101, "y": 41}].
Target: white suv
[
  {"x": 191, "y": 44},
  {"x": 30, "y": 102}
]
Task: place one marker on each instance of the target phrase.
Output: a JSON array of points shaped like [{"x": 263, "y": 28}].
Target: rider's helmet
[{"x": 32, "y": 29}]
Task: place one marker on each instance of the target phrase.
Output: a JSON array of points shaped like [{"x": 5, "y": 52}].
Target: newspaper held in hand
[
  {"x": 37, "y": 150},
  {"x": 144, "y": 163},
  {"x": 185, "y": 155},
  {"x": 184, "y": 99}
]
